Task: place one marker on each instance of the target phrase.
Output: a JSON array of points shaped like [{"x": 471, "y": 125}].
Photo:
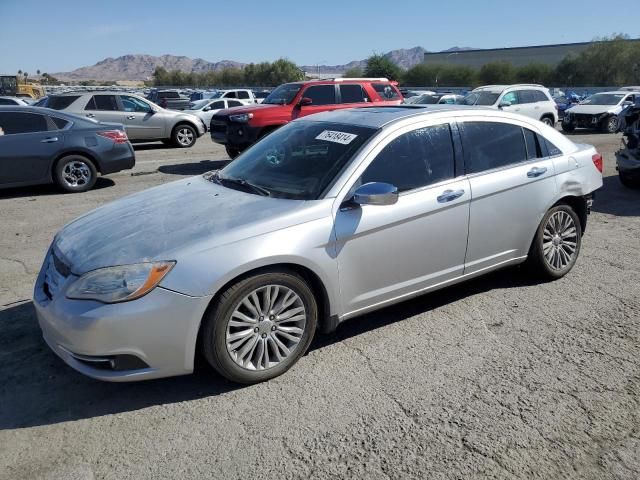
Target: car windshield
[
  {"x": 298, "y": 161},
  {"x": 427, "y": 99},
  {"x": 603, "y": 99},
  {"x": 480, "y": 98},
  {"x": 284, "y": 94},
  {"x": 199, "y": 104}
]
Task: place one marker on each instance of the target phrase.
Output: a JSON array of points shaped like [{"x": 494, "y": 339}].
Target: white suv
[{"x": 531, "y": 100}]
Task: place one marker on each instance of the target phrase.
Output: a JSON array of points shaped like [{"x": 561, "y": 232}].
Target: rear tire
[
  {"x": 568, "y": 127},
  {"x": 243, "y": 337},
  {"x": 547, "y": 121},
  {"x": 184, "y": 136},
  {"x": 556, "y": 244},
  {"x": 232, "y": 152},
  {"x": 75, "y": 173}
]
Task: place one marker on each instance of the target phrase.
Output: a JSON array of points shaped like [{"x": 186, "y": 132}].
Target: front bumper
[
  {"x": 584, "y": 120},
  {"x": 151, "y": 337},
  {"x": 231, "y": 134}
]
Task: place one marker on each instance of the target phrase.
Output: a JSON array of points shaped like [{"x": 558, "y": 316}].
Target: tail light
[
  {"x": 597, "y": 161},
  {"x": 116, "y": 136}
]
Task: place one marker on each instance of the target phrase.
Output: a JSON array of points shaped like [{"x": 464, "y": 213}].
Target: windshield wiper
[{"x": 242, "y": 183}]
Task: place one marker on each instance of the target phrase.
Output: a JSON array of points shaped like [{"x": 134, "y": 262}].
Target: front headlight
[
  {"x": 241, "y": 117},
  {"x": 121, "y": 283}
]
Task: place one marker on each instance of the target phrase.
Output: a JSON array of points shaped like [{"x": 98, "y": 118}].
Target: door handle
[
  {"x": 449, "y": 195},
  {"x": 49, "y": 140},
  {"x": 90, "y": 115},
  {"x": 131, "y": 117},
  {"x": 536, "y": 172}
]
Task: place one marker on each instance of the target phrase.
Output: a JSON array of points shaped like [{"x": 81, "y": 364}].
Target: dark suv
[
  {"x": 240, "y": 127},
  {"x": 170, "y": 99}
]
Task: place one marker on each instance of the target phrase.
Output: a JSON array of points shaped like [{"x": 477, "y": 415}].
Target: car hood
[
  {"x": 592, "y": 109},
  {"x": 162, "y": 222}
]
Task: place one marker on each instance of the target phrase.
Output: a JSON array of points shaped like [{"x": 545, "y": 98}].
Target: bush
[{"x": 381, "y": 66}]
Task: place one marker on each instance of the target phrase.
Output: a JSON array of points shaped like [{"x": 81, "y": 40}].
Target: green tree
[
  {"x": 534, "y": 73},
  {"x": 496, "y": 73},
  {"x": 381, "y": 66},
  {"x": 355, "y": 72}
]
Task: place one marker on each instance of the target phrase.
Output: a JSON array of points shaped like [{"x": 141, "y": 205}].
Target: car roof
[
  {"x": 502, "y": 88},
  {"x": 378, "y": 117},
  {"x": 41, "y": 110},
  {"x": 618, "y": 92}
]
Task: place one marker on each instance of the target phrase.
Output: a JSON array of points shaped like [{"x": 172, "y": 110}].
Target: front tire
[
  {"x": 610, "y": 124},
  {"x": 184, "y": 136},
  {"x": 557, "y": 242},
  {"x": 75, "y": 173},
  {"x": 232, "y": 152},
  {"x": 568, "y": 127},
  {"x": 260, "y": 327}
]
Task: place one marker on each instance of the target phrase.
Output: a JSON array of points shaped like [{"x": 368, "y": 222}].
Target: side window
[
  {"x": 60, "y": 123},
  {"x": 552, "y": 150},
  {"x": 22, "y": 122},
  {"x": 230, "y": 95},
  {"x": 243, "y": 95},
  {"x": 415, "y": 159},
  {"x": 386, "y": 91},
  {"x": 353, "y": 94},
  {"x": 321, "y": 94},
  {"x": 490, "y": 145},
  {"x": 132, "y": 104},
  {"x": 527, "y": 96},
  {"x": 534, "y": 149},
  {"x": 220, "y": 104},
  {"x": 230, "y": 103},
  {"x": 6, "y": 101},
  {"x": 510, "y": 97},
  {"x": 102, "y": 102},
  {"x": 540, "y": 96}
]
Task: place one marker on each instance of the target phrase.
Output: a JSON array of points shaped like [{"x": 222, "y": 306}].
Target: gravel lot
[{"x": 498, "y": 378}]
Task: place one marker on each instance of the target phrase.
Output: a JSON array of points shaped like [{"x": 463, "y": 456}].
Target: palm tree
[
  {"x": 19, "y": 74},
  {"x": 26, "y": 77},
  {"x": 38, "y": 71}
]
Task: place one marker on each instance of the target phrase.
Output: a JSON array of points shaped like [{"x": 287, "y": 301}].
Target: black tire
[
  {"x": 568, "y": 127},
  {"x": 232, "y": 152},
  {"x": 75, "y": 173},
  {"x": 537, "y": 263},
  {"x": 184, "y": 136},
  {"x": 629, "y": 181},
  {"x": 216, "y": 320},
  {"x": 547, "y": 121},
  {"x": 609, "y": 124}
]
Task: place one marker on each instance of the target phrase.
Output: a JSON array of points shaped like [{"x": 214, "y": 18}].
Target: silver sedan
[{"x": 327, "y": 218}]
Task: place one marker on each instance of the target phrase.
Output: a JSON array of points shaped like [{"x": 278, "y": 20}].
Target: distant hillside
[{"x": 141, "y": 67}]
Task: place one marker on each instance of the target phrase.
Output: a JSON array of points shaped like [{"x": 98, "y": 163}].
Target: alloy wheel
[
  {"x": 265, "y": 327},
  {"x": 76, "y": 174},
  {"x": 185, "y": 136},
  {"x": 560, "y": 240}
]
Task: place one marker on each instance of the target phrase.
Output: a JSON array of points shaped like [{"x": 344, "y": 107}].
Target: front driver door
[
  {"x": 386, "y": 252},
  {"x": 323, "y": 99},
  {"x": 141, "y": 121}
]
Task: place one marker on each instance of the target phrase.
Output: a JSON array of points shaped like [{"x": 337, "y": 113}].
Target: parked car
[
  {"x": 325, "y": 219},
  {"x": 436, "y": 98},
  {"x": 260, "y": 95},
  {"x": 599, "y": 111},
  {"x": 14, "y": 101},
  {"x": 239, "y": 93},
  {"x": 531, "y": 100},
  {"x": 200, "y": 95},
  {"x": 205, "y": 109},
  {"x": 628, "y": 158},
  {"x": 144, "y": 120},
  {"x": 563, "y": 103},
  {"x": 40, "y": 146},
  {"x": 240, "y": 128},
  {"x": 169, "y": 99}
]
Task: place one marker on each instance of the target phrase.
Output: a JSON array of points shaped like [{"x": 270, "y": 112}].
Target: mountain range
[{"x": 141, "y": 67}]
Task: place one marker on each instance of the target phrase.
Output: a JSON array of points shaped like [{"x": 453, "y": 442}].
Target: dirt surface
[{"x": 502, "y": 377}]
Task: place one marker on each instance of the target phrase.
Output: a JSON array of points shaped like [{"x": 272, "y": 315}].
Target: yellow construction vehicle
[{"x": 11, "y": 86}]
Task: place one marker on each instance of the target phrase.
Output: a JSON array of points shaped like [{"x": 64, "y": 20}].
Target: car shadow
[
  {"x": 50, "y": 189},
  {"x": 193, "y": 168},
  {"x": 616, "y": 199},
  {"x": 152, "y": 146},
  {"x": 37, "y": 388}
]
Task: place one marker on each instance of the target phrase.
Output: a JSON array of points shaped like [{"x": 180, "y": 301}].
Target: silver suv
[
  {"x": 144, "y": 121},
  {"x": 331, "y": 216},
  {"x": 531, "y": 100}
]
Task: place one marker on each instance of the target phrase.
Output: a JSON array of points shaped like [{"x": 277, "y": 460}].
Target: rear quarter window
[
  {"x": 62, "y": 102},
  {"x": 386, "y": 91}
]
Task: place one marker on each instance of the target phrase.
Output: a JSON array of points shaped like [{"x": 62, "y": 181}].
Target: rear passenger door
[
  {"x": 104, "y": 108},
  {"x": 28, "y": 146},
  {"x": 385, "y": 252},
  {"x": 512, "y": 181},
  {"x": 353, "y": 95}
]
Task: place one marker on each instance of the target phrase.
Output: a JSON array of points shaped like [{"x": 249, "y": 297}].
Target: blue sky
[{"x": 65, "y": 34}]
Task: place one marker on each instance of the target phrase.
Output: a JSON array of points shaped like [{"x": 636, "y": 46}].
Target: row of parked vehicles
[{"x": 236, "y": 118}]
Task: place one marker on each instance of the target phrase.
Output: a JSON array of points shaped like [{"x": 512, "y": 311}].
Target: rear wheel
[
  {"x": 547, "y": 121},
  {"x": 610, "y": 124},
  {"x": 556, "y": 244},
  {"x": 260, "y": 327},
  {"x": 75, "y": 173},
  {"x": 568, "y": 127},
  {"x": 184, "y": 136}
]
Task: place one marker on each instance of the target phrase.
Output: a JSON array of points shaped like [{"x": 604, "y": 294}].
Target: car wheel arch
[
  {"x": 184, "y": 122},
  {"x": 325, "y": 322},
  {"x": 89, "y": 156}
]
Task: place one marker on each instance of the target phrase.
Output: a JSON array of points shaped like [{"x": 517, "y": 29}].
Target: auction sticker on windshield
[{"x": 336, "y": 137}]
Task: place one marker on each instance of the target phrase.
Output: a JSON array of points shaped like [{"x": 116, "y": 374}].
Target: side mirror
[
  {"x": 627, "y": 103},
  {"x": 504, "y": 103},
  {"x": 305, "y": 101},
  {"x": 206, "y": 109},
  {"x": 376, "y": 193}
]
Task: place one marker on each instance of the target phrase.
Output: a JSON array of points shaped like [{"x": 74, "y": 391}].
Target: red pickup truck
[{"x": 239, "y": 127}]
